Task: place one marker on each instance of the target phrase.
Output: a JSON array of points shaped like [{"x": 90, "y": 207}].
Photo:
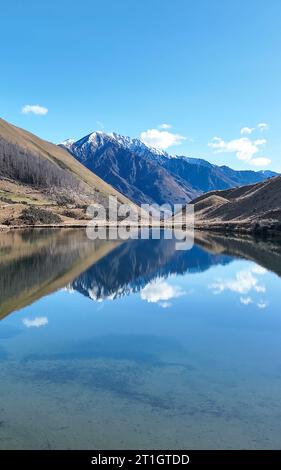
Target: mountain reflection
[
  {"x": 134, "y": 264},
  {"x": 263, "y": 251},
  {"x": 36, "y": 263}
]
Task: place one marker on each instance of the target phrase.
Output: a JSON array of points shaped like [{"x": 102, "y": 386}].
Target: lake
[{"x": 127, "y": 345}]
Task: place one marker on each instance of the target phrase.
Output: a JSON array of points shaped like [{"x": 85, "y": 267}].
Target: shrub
[
  {"x": 35, "y": 215},
  {"x": 62, "y": 198},
  {"x": 71, "y": 214},
  {"x": 7, "y": 222}
]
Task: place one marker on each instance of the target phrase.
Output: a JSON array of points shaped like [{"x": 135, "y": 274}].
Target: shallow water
[{"x": 136, "y": 345}]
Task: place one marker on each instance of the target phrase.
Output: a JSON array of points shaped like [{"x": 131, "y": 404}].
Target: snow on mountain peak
[
  {"x": 67, "y": 142},
  {"x": 97, "y": 138}
]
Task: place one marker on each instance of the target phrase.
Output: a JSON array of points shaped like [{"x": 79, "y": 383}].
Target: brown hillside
[
  {"x": 34, "y": 172},
  {"x": 249, "y": 207},
  {"x": 56, "y": 155}
]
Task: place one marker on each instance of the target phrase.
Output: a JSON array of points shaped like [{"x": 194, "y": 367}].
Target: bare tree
[{"x": 20, "y": 164}]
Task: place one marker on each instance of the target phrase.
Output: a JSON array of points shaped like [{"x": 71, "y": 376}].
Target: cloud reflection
[
  {"x": 36, "y": 322},
  {"x": 245, "y": 281},
  {"x": 160, "y": 291}
]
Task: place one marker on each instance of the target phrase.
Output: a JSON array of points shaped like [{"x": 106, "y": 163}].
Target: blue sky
[{"x": 206, "y": 68}]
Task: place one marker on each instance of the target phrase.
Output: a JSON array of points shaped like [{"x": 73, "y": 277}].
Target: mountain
[
  {"x": 148, "y": 175},
  {"x": 204, "y": 176},
  {"x": 131, "y": 168},
  {"x": 37, "y": 173},
  {"x": 254, "y": 208}
]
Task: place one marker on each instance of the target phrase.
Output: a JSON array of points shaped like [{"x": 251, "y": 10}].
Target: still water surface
[{"x": 136, "y": 345}]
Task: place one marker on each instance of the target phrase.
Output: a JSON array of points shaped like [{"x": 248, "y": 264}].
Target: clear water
[{"x": 137, "y": 345}]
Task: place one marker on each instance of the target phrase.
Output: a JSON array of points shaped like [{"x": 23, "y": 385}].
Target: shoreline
[
  {"x": 81, "y": 225},
  {"x": 223, "y": 229},
  {"x": 242, "y": 229}
]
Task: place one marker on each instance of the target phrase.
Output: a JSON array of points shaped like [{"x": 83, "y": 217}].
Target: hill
[
  {"x": 38, "y": 174},
  {"x": 252, "y": 208}
]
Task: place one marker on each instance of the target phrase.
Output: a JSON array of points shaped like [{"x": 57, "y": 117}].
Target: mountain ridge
[{"x": 148, "y": 175}]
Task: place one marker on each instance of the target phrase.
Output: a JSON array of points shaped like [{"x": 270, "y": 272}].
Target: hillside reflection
[{"x": 36, "y": 263}]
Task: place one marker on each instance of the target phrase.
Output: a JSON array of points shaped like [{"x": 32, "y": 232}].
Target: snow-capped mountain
[
  {"x": 98, "y": 138},
  {"x": 149, "y": 175},
  {"x": 132, "y": 166}
]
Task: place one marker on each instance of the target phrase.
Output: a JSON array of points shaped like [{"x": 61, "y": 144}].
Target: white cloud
[
  {"x": 246, "y": 300},
  {"x": 260, "y": 161},
  {"x": 35, "y": 322},
  {"x": 160, "y": 290},
  {"x": 247, "y": 130},
  {"x": 165, "y": 126},
  {"x": 244, "y": 148},
  {"x": 165, "y": 304},
  {"x": 260, "y": 289},
  {"x": 243, "y": 283},
  {"x": 259, "y": 142},
  {"x": 257, "y": 269},
  {"x": 34, "y": 109},
  {"x": 161, "y": 139},
  {"x": 263, "y": 126}
]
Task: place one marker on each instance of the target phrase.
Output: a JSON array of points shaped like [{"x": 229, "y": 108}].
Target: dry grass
[
  {"x": 16, "y": 196},
  {"x": 92, "y": 183},
  {"x": 253, "y": 208}
]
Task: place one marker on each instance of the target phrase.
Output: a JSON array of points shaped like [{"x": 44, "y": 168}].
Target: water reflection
[
  {"x": 265, "y": 252},
  {"x": 187, "y": 355},
  {"x": 36, "y": 263},
  {"x": 136, "y": 263}
]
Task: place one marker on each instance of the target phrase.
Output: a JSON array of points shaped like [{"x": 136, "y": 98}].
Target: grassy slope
[
  {"x": 57, "y": 155},
  {"x": 15, "y": 196},
  {"x": 241, "y": 207}
]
